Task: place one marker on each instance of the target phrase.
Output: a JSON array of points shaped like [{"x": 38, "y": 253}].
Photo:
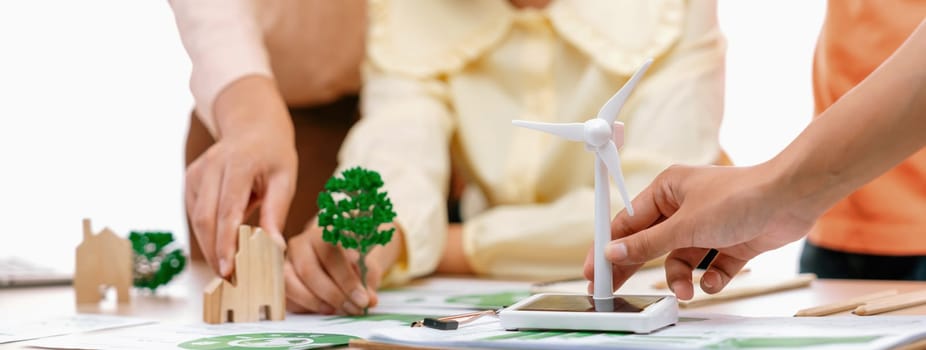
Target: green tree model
[
  {"x": 155, "y": 263},
  {"x": 351, "y": 211}
]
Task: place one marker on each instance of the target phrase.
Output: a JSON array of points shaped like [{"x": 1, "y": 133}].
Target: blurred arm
[
  {"x": 224, "y": 42},
  {"x": 869, "y": 130}
]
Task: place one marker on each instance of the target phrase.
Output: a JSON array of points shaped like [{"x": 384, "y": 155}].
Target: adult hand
[
  {"x": 253, "y": 163},
  {"x": 740, "y": 211},
  {"x": 323, "y": 278}
]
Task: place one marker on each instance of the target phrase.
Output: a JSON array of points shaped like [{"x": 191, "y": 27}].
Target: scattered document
[
  {"x": 12, "y": 331},
  {"x": 389, "y": 322},
  {"x": 296, "y": 332},
  {"x": 453, "y": 293},
  {"x": 692, "y": 332}
]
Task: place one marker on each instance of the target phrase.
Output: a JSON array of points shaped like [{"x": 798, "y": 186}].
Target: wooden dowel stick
[
  {"x": 373, "y": 345},
  {"x": 844, "y": 305},
  {"x": 897, "y": 302},
  {"x": 799, "y": 281}
]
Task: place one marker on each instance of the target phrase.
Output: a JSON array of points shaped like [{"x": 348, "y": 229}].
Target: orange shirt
[{"x": 888, "y": 215}]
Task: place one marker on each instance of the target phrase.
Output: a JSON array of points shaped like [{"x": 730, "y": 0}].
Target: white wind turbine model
[{"x": 599, "y": 135}]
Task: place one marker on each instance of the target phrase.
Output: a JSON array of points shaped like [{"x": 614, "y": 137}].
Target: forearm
[
  {"x": 869, "y": 130},
  {"x": 404, "y": 135},
  {"x": 225, "y": 42},
  {"x": 250, "y": 104}
]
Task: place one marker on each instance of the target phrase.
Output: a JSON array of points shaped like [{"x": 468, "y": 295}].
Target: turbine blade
[
  {"x": 610, "y": 109},
  {"x": 608, "y": 154},
  {"x": 569, "y": 131}
]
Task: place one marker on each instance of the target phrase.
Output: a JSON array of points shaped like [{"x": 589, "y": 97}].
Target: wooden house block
[
  {"x": 103, "y": 260},
  {"x": 256, "y": 290}
]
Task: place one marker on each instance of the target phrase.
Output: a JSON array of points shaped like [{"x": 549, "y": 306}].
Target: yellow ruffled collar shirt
[{"x": 444, "y": 79}]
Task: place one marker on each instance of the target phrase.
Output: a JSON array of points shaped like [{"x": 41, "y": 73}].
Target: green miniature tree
[
  {"x": 351, "y": 211},
  {"x": 155, "y": 263}
]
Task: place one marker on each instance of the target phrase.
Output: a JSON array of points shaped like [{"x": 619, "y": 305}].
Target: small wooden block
[
  {"x": 102, "y": 260},
  {"x": 256, "y": 290}
]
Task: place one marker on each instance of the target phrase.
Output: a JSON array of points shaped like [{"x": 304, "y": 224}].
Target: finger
[
  {"x": 298, "y": 294},
  {"x": 347, "y": 281},
  {"x": 588, "y": 268},
  {"x": 275, "y": 206},
  {"x": 650, "y": 209},
  {"x": 621, "y": 273},
  {"x": 374, "y": 269},
  {"x": 293, "y": 307},
  {"x": 374, "y": 273},
  {"x": 342, "y": 271},
  {"x": 374, "y": 279},
  {"x": 721, "y": 272},
  {"x": 233, "y": 200},
  {"x": 648, "y": 244},
  {"x": 679, "y": 266},
  {"x": 309, "y": 269},
  {"x": 190, "y": 184},
  {"x": 204, "y": 182}
]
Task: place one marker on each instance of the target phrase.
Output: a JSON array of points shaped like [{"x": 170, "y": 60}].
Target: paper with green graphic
[
  {"x": 704, "y": 331},
  {"x": 268, "y": 341},
  {"x": 453, "y": 293},
  {"x": 296, "y": 332}
]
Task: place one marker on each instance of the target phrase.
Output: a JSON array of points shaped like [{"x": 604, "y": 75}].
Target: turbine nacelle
[{"x": 597, "y": 132}]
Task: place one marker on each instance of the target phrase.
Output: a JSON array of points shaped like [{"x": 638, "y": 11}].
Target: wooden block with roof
[
  {"x": 103, "y": 260},
  {"x": 256, "y": 290}
]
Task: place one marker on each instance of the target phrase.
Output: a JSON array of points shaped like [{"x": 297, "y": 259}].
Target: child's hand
[{"x": 323, "y": 278}]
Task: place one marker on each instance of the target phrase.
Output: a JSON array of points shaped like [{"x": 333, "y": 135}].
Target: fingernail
[
  {"x": 617, "y": 251},
  {"x": 279, "y": 240},
  {"x": 351, "y": 308},
  {"x": 706, "y": 281},
  {"x": 325, "y": 309},
  {"x": 360, "y": 297},
  {"x": 677, "y": 286},
  {"x": 224, "y": 268},
  {"x": 710, "y": 279}
]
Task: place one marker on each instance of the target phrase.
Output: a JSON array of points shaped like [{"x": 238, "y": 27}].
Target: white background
[{"x": 94, "y": 106}]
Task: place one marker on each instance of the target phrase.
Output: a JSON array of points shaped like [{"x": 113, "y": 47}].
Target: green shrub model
[
  {"x": 156, "y": 260},
  {"x": 351, "y": 211}
]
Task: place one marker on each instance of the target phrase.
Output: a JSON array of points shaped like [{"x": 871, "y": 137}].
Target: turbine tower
[{"x": 598, "y": 134}]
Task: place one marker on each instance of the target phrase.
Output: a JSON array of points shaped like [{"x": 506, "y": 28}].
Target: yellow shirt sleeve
[{"x": 405, "y": 135}]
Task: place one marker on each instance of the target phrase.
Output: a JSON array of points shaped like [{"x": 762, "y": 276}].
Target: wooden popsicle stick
[
  {"x": 897, "y": 302},
  {"x": 695, "y": 279},
  {"x": 845, "y": 305},
  {"x": 799, "y": 281},
  {"x": 374, "y": 345}
]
